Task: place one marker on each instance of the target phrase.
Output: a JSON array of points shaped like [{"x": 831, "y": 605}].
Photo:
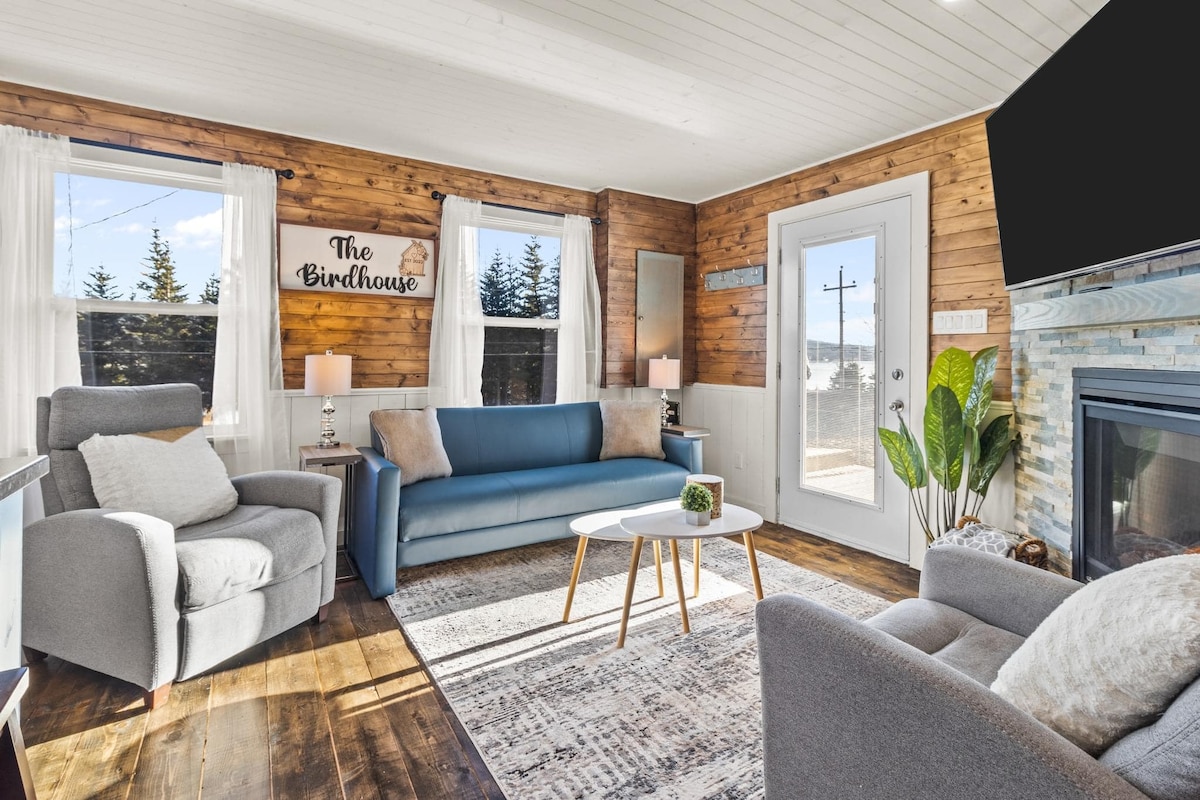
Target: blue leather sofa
[{"x": 520, "y": 475}]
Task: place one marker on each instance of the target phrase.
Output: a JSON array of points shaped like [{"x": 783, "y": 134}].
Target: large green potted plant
[{"x": 960, "y": 394}]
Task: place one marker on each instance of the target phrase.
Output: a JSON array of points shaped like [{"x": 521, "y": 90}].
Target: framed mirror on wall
[{"x": 659, "y": 330}]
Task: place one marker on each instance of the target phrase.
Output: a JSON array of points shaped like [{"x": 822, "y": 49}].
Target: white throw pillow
[
  {"x": 412, "y": 440},
  {"x": 1113, "y": 656},
  {"x": 171, "y": 474},
  {"x": 631, "y": 429}
]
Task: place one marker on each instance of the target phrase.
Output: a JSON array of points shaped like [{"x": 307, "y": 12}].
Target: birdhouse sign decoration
[{"x": 326, "y": 260}]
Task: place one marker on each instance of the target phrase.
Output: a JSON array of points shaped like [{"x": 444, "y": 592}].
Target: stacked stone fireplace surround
[{"x": 1043, "y": 360}]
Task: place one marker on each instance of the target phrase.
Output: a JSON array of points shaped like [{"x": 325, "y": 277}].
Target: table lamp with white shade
[
  {"x": 327, "y": 375},
  {"x": 664, "y": 374}
]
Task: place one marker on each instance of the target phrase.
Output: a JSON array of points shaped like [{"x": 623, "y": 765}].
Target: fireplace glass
[{"x": 1141, "y": 486}]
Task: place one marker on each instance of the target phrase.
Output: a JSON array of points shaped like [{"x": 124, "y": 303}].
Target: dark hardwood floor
[{"x": 340, "y": 710}]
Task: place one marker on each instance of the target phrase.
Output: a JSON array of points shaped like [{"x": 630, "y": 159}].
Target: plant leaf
[
  {"x": 994, "y": 444},
  {"x": 979, "y": 399},
  {"x": 955, "y": 369},
  {"x": 905, "y": 456},
  {"x": 944, "y": 438}
]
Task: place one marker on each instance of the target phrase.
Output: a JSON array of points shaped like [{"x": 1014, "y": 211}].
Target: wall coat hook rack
[{"x": 736, "y": 277}]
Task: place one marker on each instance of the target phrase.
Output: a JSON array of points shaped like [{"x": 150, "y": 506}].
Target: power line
[{"x": 126, "y": 211}]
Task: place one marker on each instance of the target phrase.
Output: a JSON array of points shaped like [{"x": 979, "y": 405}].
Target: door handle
[{"x": 896, "y": 405}]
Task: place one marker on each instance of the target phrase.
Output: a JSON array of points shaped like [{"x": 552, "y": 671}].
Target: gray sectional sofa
[{"x": 520, "y": 474}]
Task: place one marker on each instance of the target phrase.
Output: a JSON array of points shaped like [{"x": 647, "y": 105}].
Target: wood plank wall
[
  {"x": 725, "y": 332},
  {"x": 965, "y": 268},
  {"x": 633, "y": 222},
  {"x": 334, "y": 187}
]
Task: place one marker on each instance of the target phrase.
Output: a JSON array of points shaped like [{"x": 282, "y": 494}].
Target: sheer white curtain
[
  {"x": 39, "y": 337},
  {"x": 249, "y": 417},
  {"x": 579, "y": 314},
  {"x": 456, "y": 338}
]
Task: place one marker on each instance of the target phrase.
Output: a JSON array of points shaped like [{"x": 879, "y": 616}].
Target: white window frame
[{"x": 528, "y": 222}]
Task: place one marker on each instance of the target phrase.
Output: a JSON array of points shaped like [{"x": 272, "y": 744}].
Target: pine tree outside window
[
  {"x": 519, "y": 261},
  {"x": 138, "y": 243}
]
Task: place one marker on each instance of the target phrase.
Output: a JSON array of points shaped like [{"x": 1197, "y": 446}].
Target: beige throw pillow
[
  {"x": 631, "y": 430},
  {"x": 1113, "y": 656},
  {"x": 171, "y": 474},
  {"x": 412, "y": 440}
]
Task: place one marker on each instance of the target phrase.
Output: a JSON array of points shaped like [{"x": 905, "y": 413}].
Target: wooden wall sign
[{"x": 328, "y": 260}]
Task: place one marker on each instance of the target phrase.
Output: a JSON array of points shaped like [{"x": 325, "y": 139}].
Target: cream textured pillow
[
  {"x": 1113, "y": 656},
  {"x": 172, "y": 474},
  {"x": 412, "y": 440},
  {"x": 631, "y": 430}
]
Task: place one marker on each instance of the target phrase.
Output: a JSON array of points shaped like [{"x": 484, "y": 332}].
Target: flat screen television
[{"x": 1095, "y": 157}]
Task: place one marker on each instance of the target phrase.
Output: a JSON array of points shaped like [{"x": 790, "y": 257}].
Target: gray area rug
[{"x": 557, "y": 711}]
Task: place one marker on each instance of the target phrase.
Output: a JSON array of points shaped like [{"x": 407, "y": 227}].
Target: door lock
[
  {"x": 896, "y": 405},
  {"x": 897, "y": 373}
]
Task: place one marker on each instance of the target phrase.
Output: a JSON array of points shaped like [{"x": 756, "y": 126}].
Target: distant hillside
[{"x": 828, "y": 351}]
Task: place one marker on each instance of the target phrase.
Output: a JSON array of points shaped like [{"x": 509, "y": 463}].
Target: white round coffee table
[
  {"x": 606, "y": 525},
  {"x": 669, "y": 524}
]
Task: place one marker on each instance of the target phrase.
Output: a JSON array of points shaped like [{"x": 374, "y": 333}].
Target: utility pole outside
[{"x": 841, "y": 290}]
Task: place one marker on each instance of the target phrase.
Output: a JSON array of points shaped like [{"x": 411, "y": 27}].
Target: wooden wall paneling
[
  {"x": 342, "y": 187},
  {"x": 637, "y": 222},
  {"x": 334, "y": 187},
  {"x": 965, "y": 269}
]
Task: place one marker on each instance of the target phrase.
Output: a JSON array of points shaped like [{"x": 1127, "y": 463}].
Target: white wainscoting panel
[{"x": 736, "y": 447}]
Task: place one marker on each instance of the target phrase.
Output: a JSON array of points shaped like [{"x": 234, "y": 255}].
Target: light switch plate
[{"x": 969, "y": 321}]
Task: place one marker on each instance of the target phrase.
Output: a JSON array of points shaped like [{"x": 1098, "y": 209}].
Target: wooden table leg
[
  {"x": 658, "y": 565},
  {"x": 696, "y": 567},
  {"x": 629, "y": 584},
  {"x": 679, "y": 585},
  {"x": 579, "y": 550},
  {"x": 748, "y": 538}
]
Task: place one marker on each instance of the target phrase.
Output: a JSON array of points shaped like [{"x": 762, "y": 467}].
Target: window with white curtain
[
  {"x": 519, "y": 266},
  {"x": 138, "y": 242}
]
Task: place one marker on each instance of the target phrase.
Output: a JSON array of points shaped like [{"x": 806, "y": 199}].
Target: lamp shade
[
  {"x": 327, "y": 374},
  {"x": 664, "y": 373}
]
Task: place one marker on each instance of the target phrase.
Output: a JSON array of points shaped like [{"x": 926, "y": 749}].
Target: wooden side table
[
  {"x": 346, "y": 455},
  {"x": 16, "y": 779}
]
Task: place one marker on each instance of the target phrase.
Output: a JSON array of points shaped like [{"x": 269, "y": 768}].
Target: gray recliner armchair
[
  {"x": 899, "y": 705},
  {"x": 132, "y": 597}
]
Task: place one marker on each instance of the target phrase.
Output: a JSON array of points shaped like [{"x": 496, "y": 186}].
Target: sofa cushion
[
  {"x": 1113, "y": 656},
  {"x": 492, "y": 439},
  {"x": 953, "y": 637},
  {"x": 468, "y": 502},
  {"x": 172, "y": 474},
  {"x": 250, "y": 547},
  {"x": 1161, "y": 759},
  {"x": 412, "y": 440},
  {"x": 632, "y": 429}
]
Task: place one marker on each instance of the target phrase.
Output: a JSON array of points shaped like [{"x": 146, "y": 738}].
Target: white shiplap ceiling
[{"x": 686, "y": 99}]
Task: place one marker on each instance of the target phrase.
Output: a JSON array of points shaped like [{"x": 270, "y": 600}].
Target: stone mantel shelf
[
  {"x": 1153, "y": 301},
  {"x": 18, "y": 472}
]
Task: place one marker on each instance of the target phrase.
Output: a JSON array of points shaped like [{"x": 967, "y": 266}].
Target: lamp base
[
  {"x": 327, "y": 435},
  {"x": 665, "y": 409}
]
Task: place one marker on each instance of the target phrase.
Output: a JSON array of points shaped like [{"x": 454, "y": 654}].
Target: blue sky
[
  {"x": 108, "y": 222},
  {"x": 508, "y": 243},
  {"x": 857, "y": 256}
]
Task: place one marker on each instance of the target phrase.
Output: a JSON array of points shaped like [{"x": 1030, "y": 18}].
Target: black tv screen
[{"x": 1095, "y": 157}]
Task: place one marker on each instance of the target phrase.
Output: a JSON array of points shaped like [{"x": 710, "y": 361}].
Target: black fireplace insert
[{"x": 1136, "y": 468}]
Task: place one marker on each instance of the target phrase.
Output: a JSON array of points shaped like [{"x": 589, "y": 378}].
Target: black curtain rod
[
  {"x": 281, "y": 173},
  {"x": 439, "y": 196}
]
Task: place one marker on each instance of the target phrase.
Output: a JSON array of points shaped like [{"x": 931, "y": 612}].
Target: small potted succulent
[{"x": 697, "y": 503}]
